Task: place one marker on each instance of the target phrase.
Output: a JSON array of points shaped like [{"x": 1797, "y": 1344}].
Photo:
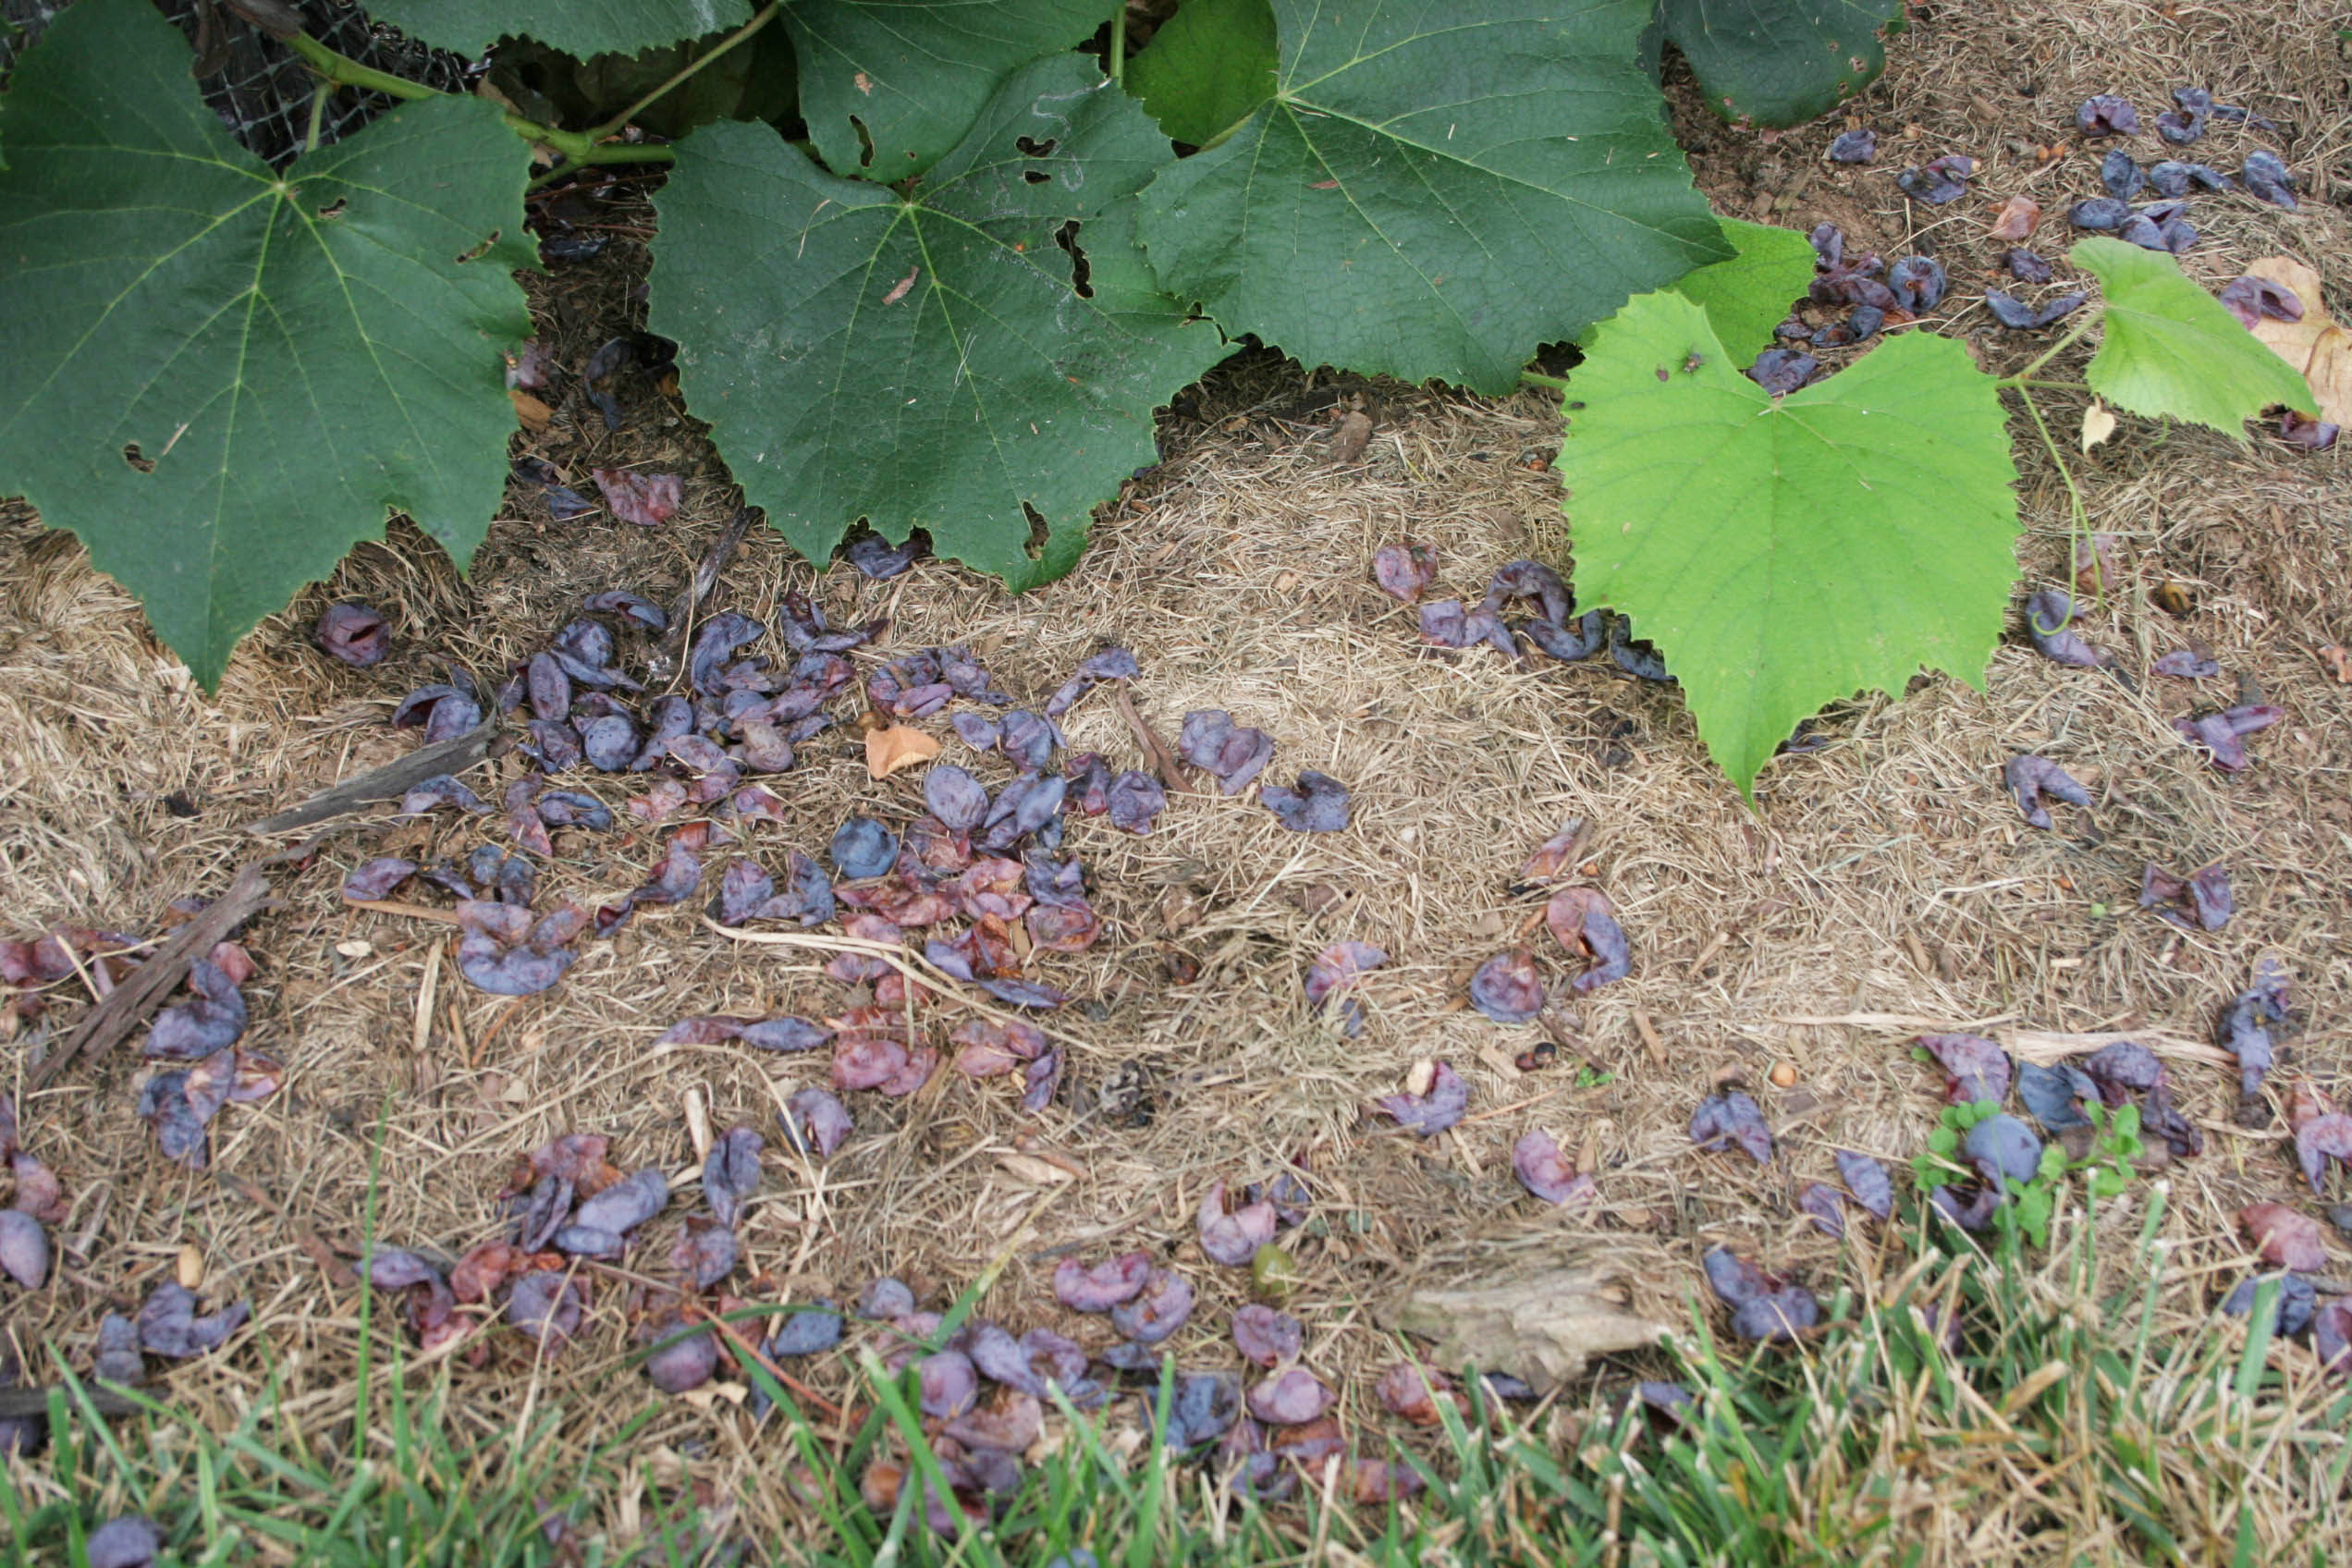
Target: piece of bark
[
  {"x": 389, "y": 782},
  {"x": 1355, "y": 432},
  {"x": 1542, "y": 1328},
  {"x": 672, "y": 648},
  {"x": 144, "y": 990}
]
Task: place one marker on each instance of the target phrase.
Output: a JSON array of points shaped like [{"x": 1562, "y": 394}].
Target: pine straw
[{"x": 1886, "y": 874}]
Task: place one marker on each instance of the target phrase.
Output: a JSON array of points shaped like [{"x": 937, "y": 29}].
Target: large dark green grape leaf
[
  {"x": 2169, "y": 350},
  {"x": 1788, "y": 552},
  {"x": 221, "y": 378},
  {"x": 888, "y": 86},
  {"x": 1207, "y": 67},
  {"x": 1435, "y": 190},
  {"x": 576, "y": 27},
  {"x": 927, "y": 360},
  {"x": 1780, "y": 62}
]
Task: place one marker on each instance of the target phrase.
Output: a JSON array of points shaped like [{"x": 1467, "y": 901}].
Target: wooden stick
[
  {"x": 17, "y": 1403},
  {"x": 142, "y": 991},
  {"x": 387, "y": 783},
  {"x": 1164, "y": 762}
]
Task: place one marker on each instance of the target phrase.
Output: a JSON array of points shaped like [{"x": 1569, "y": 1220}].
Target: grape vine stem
[
  {"x": 576, "y": 147},
  {"x": 614, "y": 126}
]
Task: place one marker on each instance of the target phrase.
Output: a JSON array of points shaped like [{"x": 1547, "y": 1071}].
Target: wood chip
[
  {"x": 1030, "y": 1168},
  {"x": 1649, "y": 1037},
  {"x": 421, "y": 1032}
]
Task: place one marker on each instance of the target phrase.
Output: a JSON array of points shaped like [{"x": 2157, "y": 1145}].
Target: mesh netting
[{"x": 261, "y": 91}]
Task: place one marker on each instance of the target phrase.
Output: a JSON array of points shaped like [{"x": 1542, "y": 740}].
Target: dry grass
[{"x": 1884, "y": 873}]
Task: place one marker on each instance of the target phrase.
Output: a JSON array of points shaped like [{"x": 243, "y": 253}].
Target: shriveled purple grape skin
[
  {"x": 1781, "y": 370},
  {"x": 2108, "y": 113},
  {"x": 2003, "y": 1144},
  {"x": 1507, "y": 988},
  {"x": 1867, "y": 1179},
  {"x": 1858, "y": 146}
]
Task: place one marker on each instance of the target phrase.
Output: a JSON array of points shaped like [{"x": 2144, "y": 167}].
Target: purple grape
[
  {"x": 2251, "y": 298},
  {"x": 2171, "y": 177},
  {"x": 1829, "y": 246}
]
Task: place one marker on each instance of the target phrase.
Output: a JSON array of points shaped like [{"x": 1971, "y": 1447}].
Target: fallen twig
[
  {"x": 699, "y": 587},
  {"x": 2034, "y": 1044},
  {"x": 1164, "y": 762},
  {"x": 414, "y": 912}
]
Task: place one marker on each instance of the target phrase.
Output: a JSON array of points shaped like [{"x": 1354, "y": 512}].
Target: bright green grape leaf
[
  {"x": 220, "y": 378},
  {"x": 1780, "y": 62},
  {"x": 926, "y": 361},
  {"x": 576, "y": 27},
  {"x": 1435, "y": 192},
  {"x": 1788, "y": 552},
  {"x": 1207, "y": 67},
  {"x": 1751, "y": 294},
  {"x": 2171, "y": 350},
  {"x": 888, "y": 86}
]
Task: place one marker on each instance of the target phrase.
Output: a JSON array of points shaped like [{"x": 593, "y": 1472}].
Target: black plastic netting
[{"x": 257, "y": 86}]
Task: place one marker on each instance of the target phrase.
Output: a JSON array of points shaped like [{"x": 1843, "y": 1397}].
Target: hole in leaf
[
  {"x": 1033, "y": 147},
  {"x": 334, "y": 209},
  {"x": 1039, "y": 531},
  {"x": 476, "y": 252},
  {"x": 865, "y": 142},
  {"x": 1035, "y": 177},
  {"x": 1080, "y": 271},
  {"x": 132, "y": 456}
]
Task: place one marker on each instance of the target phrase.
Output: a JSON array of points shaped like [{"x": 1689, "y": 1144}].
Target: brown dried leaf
[
  {"x": 897, "y": 746},
  {"x": 2018, "y": 217},
  {"x": 2317, "y": 345},
  {"x": 2286, "y": 1236}
]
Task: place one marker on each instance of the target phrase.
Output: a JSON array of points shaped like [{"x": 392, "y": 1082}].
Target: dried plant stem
[{"x": 921, "y": 971}]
